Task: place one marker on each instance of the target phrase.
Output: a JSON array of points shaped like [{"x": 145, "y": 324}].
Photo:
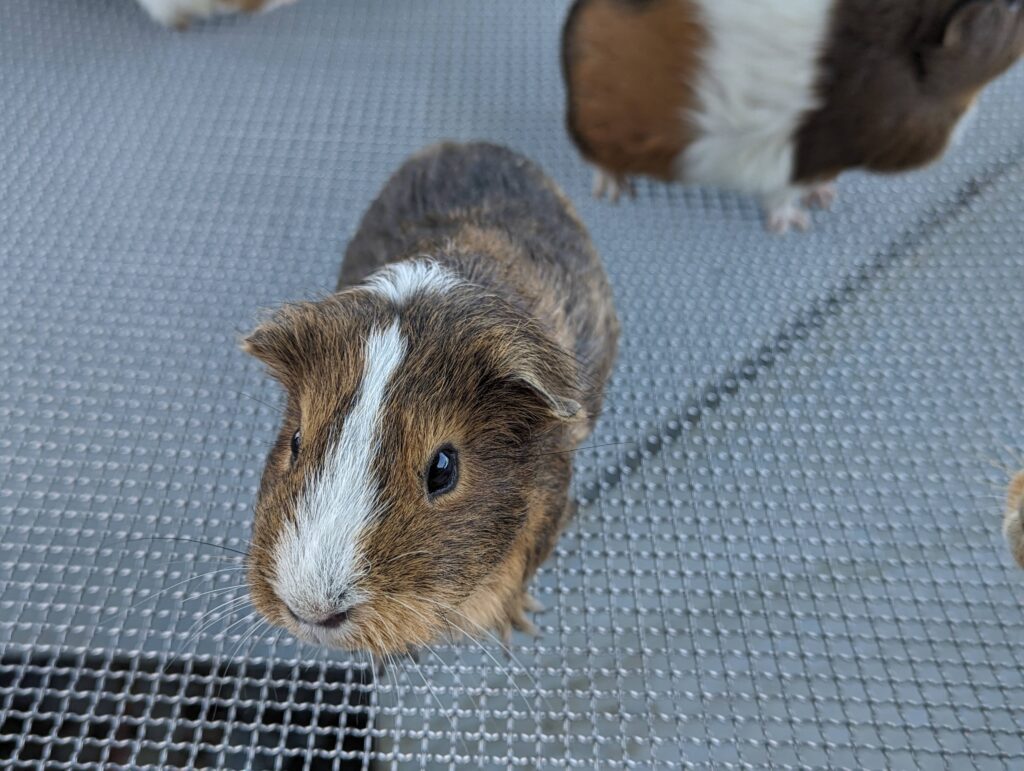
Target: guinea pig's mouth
[
  {"x": 334, "y": 631},
  {"x": 382, "y": 625}
]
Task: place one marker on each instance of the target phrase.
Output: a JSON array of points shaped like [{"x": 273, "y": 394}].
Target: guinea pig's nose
[
  {"x": 332, "y": 621},
  {"x": 335, "y": 619}
]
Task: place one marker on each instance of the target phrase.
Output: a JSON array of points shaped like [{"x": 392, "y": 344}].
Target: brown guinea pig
[
  {"x": 1013, "y": 522},
  {"x": 776, "y": 97},
  {"x": 422, "y": 470},
  {"x": 179, "y": 13}
]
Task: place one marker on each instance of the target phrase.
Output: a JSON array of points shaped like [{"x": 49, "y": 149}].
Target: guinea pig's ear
[
  {"x": 561, "y": 406},
  {"x": 985, "y": 24},
  {"x": 281, "y": 341},
  {"x": 548, "y": 372},
  {"x": 960, "y": 22}
]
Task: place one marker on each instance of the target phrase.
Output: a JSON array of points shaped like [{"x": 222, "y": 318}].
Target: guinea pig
[
  {"x": 776, "y": 98},
  {"x": 421, "y": 474},
  {"x": 1013, "y": 522},
  {"x": 179, "y": 13}
]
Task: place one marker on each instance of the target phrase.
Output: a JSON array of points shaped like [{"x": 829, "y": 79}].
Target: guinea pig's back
[
  {"x": 460, "y": 202},
  {"x": 437, "y": 191},
  {"x": 630, "y": 70}
]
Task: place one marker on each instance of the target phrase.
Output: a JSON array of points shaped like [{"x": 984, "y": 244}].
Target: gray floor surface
[{"x": 798, "y": 564}]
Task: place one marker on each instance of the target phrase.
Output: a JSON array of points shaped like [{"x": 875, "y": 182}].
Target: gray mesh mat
[{"x": 794, "y": 560}]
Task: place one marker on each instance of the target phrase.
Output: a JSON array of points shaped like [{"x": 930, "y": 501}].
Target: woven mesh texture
[{"x": 787, "y": 552}]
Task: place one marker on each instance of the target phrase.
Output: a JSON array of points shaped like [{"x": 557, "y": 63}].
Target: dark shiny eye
[
  {"x": 443, "y": 471},
  {"x": 296, "y": 444}
]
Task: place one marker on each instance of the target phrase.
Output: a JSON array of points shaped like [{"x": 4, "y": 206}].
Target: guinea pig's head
[{"x": 420, "y": 438}]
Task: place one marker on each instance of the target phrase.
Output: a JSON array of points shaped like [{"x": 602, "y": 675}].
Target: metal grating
[
  {"x": 107, "y": 711},
  {"x": 795, "y": 563}
]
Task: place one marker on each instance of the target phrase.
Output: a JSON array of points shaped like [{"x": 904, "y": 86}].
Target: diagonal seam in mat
[{"x": 709, "y": 397}]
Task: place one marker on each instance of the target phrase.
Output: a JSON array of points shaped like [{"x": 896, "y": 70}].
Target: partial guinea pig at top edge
[
  {"x": 181, "y": 13},
  {"x": 776, "y": 98},
  {"x": 1013, "y": 518},
  {"x": 422, "y": 469}
]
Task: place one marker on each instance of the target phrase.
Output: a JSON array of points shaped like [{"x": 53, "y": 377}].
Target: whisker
[
  {"x": 497, "y": 663},
  {"x": 185, "y": 539},
  {"x": 993, "y": 485},
  {"x": 206, "y": 621},
  {"x": 1002, "y": 466},
  {"x": 195, "y": 597},
  {"x": 588, "y": 447},
  {"x": 275, "y": 407},
  {"x": 270, "y": 671},
  {"x": 504, "y": 670},
  {"x": 180, "y": 583},
  {"x": 513, "y": 455},
  {"x": 458, "y": 682},
  {"x": 373, "y": 666},
  {"x": 388, "y": 666},
  {"x": 440, "y": 706},
  {"x": 255, "y": 636},
  {"x": 1016, "y": 455},
  {"x": 244, "y": 636},
  {"x": 504, "y": 647},
  {"x": 194, "y": 557},
  {"x": 376, "y": 676},
  {"x": 247, "y": 635}
]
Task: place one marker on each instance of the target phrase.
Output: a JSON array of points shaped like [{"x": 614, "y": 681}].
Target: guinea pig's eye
[
  {"x": 443, "y": 471},
  {"x": 296, "y": 444}
]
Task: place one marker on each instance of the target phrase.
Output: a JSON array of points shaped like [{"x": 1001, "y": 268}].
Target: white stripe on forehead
[
  {"x": 317, "y": 558},
  {"x": 401, "y": 280}
]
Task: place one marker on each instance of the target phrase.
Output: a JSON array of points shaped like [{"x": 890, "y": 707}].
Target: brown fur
[
  {"x": 508, "y": 367},
  {"x": 629, "y": 67},
  {"x": 897, "y": 77},
  {"x": 1013, "y": 523}
]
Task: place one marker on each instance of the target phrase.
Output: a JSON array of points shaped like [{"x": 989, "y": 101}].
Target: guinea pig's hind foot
[
  {"x": 790, "y": 216},
  {"x": 821, "y": 196},
  {"x": 611, "y": 186},
  {"x": 1013, "y": 524}
]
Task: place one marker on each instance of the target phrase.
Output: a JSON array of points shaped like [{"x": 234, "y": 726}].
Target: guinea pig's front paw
[
  {"x": 517, "y": 619},
  {"x": 611, "y": 186},
  {"x": 1013, "y": 524}
]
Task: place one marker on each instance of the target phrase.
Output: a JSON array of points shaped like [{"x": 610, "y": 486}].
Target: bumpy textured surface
[{"x": 788, "y": 548}]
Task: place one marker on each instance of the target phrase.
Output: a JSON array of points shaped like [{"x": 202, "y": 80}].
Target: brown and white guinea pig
[
  {"x": 776, "y": 97},
  {"x": 1013, "y": 522},
  {"x": 180, "y": 13},
  {"x": 421, "y": 474}
]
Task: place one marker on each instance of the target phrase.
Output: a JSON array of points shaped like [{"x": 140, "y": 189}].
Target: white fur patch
[
  {"x": 401, "y": 280},
  {"x": 757, "y": 82},
  {"x": 317, "y": 559},
  {"x": 171, "y": 12}
]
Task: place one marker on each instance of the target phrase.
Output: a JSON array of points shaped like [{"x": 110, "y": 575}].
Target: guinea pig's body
[
  {"x": 1013, "y": 521},
  {"x": 776, "y": 97},
  {"x": 422, "y": 472},
  {"x": 179, "y": 13}
]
